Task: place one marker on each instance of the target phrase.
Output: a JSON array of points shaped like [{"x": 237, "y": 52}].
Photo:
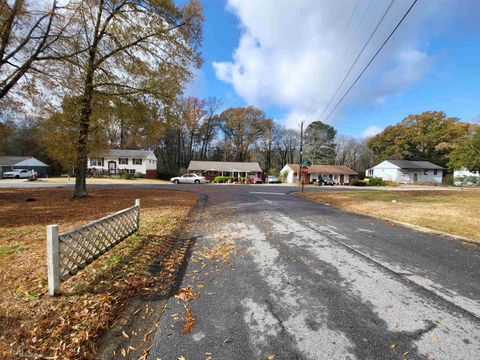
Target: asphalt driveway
[{"x": 298, "y": 280}]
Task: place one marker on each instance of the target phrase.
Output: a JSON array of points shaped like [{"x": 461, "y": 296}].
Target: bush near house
[
  {"x": 376, "y": 181},
  {"x": 221, "y": 179},
  {"x": 356, "y": 182}
]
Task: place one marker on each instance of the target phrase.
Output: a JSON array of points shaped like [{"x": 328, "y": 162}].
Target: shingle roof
[
  {"x": 31, "y": 162},
  {"x": 224, "y": 166},
  {"x": 126, "y": 153},
  {"x": 326, "y": 169},
  {"x": 407, "y": 164},
  {"x": 12, "y": 160}
]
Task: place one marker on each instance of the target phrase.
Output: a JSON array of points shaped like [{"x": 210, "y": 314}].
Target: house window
[
  {"x": 405, "y": 172},
  {"x": 96, "y": 162},
  {"x": 435, "y": 172},
  {"x": 123, "y": 161},
  {"x": 131, "y": 171},
  {"x": 137, "y": 161},
  {"x": 425, "y": 172}
]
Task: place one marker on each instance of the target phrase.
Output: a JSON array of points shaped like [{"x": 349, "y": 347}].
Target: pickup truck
[{"x": 20, "y": 174}]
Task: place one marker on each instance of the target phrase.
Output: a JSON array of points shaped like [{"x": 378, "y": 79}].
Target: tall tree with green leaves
[
  {"x": 127, "y": 48},
  {"x": 320, "y": 143},
  {"x": 428, "y": 136},
  {"x": 467, "y": 155}
]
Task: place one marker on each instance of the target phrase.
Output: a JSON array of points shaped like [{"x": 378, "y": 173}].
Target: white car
[
  {"x": 271, "y": 180},
  {"x": 20, "y": 174},
  {"x": 189, "y": 179}
]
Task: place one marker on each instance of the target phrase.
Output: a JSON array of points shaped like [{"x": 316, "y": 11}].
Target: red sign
[{"x": 304, "y": 170}]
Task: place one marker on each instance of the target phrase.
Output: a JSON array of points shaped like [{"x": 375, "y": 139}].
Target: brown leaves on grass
[
  {"x": 189, "y": 321},
  {"x": 67, "y": 326}
]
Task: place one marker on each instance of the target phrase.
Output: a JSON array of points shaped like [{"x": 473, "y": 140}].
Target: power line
[
  {"x": 371, "y": 60},
  {"x": 358, "y": 57}
]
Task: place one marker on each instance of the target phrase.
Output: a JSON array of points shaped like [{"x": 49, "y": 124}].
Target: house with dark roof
[
  {"x": 340, "y": 174},
  {"x": 211, "y": 169},
  {"x": 118, "y": 161},
  {"x": 407, "y": 172},
  {"x": 9, "y": 163}
]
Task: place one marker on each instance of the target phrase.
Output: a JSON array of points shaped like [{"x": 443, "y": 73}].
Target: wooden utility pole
[{"x": 301, "y": 155}]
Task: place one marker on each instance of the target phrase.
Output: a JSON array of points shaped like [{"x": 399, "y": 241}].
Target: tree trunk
[{"x": 80, "y": 190}]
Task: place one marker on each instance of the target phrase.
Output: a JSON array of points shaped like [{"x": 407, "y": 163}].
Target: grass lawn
[
  {"x": 64, "y": 180},
  {"x": 456, "y": 212},
  {"x": 33, "y": 324}
]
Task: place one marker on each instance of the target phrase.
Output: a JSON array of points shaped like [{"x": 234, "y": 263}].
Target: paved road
[
  {"x": 306, "y": 281},
  {"x": 278, "y": 275}
]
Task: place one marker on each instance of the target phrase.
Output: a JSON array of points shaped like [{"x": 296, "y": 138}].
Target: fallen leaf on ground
[
  {"x": 186, "y": 294},
  {"x": 189, "y": 321}
]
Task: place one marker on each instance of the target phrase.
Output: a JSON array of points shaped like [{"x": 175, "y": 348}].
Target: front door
[
  {"x": 342, "y": 179},
  {"x": 112, "y": 167},
  {"x": 415, "y": 178}
]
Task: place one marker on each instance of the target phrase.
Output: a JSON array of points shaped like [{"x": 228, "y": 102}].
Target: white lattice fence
[{"x": 71, "y": 251}]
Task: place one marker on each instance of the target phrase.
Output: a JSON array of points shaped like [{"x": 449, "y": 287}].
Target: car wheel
[
  {"x": 176, "y": 181},
  {"x": 17, "y": 177},
  {"x": 197, "y": 181}
]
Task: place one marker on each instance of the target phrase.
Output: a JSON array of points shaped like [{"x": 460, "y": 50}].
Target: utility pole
[{"x": 300, "y": 175}]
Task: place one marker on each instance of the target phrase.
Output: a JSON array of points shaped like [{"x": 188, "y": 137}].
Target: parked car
[
  {"x": 20, "y": 174},
  {"x": 189, "y": 179},
  {"x": 271, "y": 180},
  {"x": 256, "y": 180},
  {"x": 324, "y": 181}
]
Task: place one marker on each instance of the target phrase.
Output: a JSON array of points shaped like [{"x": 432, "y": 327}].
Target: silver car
[{"x": 189, "y": 179}]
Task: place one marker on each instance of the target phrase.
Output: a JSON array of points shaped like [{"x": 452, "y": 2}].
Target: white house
[
  {"x": 133, "y": 161},
  {"x": 341, "y": 175},
  {"x": 464, "y": 173},
  {"x": 407, "y": 172}
]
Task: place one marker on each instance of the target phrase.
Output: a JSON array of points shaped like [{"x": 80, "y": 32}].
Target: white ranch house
[
  {"x": 341, "y": 175},
  {"x": 407, "y": 172},
  {"x": 133, "y": 161}
]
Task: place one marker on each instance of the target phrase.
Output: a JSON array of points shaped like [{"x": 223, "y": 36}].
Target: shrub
[
  {"x": 221, "y": 179},
  {"x": 139, "y": 175},
  {"x": 449, "y": 180},
  {"x": 126, "y": 175},
  {"x": 284, "y": 176},
  {"x": 356, "y": 182},
  {"x": 376, "y": 181}
]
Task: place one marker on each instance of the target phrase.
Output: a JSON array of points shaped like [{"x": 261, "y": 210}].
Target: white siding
[
  {"x": 390, "y": 172},
  {"x": 290, "y": 178},
  {"x": 148, "y": 163}
]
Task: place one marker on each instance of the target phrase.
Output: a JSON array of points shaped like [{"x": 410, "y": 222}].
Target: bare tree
[{"x": 29, "y": 31}]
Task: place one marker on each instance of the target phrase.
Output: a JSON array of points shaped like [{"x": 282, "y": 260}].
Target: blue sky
[{"x": 288, "y": 58}]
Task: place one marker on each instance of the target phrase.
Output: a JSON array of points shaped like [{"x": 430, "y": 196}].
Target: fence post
[
  {"x": 53, "y": 260},
  {"x": 137, "y": 203}
]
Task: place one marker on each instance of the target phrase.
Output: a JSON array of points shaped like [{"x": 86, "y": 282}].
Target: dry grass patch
[
  {"x": 33, "y": 324},
  {"x": 455, "y": 212}
]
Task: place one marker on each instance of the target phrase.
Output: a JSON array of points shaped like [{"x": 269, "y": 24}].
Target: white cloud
[
  {"x": 371, "y": 131},
  {"x": 294, "y": 54}
]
